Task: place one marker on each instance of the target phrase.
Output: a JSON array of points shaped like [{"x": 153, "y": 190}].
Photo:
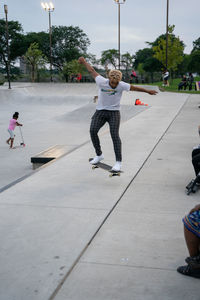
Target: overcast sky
[{"x": 141, "y": 21}]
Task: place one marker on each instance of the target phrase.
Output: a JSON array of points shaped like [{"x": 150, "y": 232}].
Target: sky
[{"x": 141, "y": 21}]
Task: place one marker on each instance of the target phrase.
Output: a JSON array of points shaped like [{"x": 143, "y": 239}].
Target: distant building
[{"x": 24, "y": 69}]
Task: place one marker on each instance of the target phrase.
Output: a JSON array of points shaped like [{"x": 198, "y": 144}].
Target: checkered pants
[{"x": 99, "y": 118}]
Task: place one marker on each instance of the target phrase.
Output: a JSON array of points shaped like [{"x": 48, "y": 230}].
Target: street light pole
[
  {"x": 50, "y": 8},
  {"x": 119, "y": 2},
  {"x": 7, "y": 45},
  {"x": 50, "y": 44},
  {"x": 119, "y": 34},
  {"x": 167, "y": 18}
]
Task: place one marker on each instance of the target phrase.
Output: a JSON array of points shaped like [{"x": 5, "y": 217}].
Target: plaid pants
[{"x": 99, "y": 118}]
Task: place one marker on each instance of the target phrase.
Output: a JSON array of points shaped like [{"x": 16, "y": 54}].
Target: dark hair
[{"x": 16, "y": 115}]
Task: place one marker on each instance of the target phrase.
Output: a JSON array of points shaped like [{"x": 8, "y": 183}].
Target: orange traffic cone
[{"x": 137, "y": 102}]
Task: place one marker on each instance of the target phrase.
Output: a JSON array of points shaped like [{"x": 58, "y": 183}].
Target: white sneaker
[
  {"x": 97, "y": 159},
  {"x": 117, "y": 166}
]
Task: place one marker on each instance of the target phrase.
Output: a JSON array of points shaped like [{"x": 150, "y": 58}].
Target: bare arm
[
  {"x": 90, "y": 69},
  {"x": 18, "y": 124},
  {"x": 140, "y": 89},
  {"x": 197, "y": 207}
]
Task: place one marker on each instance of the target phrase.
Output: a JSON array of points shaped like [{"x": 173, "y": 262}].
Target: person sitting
[
  {"x": 196, "y": 160},
  {"x": 183, "y": 83},
  {"x": 192, "y": 238},
  {"x": 196, "y": 157}
]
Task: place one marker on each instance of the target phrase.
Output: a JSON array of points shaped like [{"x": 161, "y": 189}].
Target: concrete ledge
[{"x": 46, "y": 156}]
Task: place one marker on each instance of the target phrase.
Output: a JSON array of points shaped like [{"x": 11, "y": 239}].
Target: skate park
[{"x": 70, "y": 232}]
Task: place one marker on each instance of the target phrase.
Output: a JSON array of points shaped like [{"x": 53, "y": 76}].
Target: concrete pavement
[{"x": 68, "y": 232}]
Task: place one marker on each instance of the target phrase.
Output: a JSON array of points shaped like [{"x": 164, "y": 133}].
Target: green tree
[
  {"x": 41, "y": 38},
  {"x": 14, "y": 40},
  {"x": 70, "y": 68},
  {"x": 68, "y": 43},
  {"x": 175, "y": 50},
  {"x": 35, "y": 58},
  {"x": 109, "y": 57},
  {"x": 127, "y": 62},
  {"x": 142, "y": 55},
  {"x": 149, "y": 63},
  {"x": 194, "y": 62},
  {"x": 152, "y": 65},
  {"x": 183, "y": 66},
  {"x": 196, "y": 45},
  {"x": 141, "y": 70},
  {"x": 194, "y": 58}
]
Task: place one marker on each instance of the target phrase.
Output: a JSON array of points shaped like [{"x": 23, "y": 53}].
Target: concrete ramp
[
  {"x": 70, "y": 232},
  {"x": 61, "y": 229},
  {"x": 84, "y": 113},
  {"x": 43, "y": 96}
]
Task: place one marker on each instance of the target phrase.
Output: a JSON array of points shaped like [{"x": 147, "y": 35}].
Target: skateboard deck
[{"x": 106, "y": 168}]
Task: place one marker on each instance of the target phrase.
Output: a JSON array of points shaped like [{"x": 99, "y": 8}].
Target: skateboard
[
  {"x": 106, "y": 168},
  {"x": 192, "y": 187}
]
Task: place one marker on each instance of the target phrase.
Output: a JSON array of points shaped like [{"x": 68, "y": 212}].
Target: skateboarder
[{"x": 108, "y": 109}]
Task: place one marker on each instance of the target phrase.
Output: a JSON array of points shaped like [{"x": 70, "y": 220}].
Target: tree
[
  {"x": 142, "y": 55},
  {"x": 152, "y": 65},
  {"x": 194, "y": 58},
  {"x": 183, "y": 66},
  {"x": 149, "y": 63},
  {"x": 68, "y": 43},
  {"x": 35, "y": 58},
  {"x": 175, "y": 50},
  {"x": 109, "y": 57},
  {"x": 196, "y": 45},
  {"x": 14, "y": 40},
  {"x": 127, "y": 62},
  {"x": 141, "y": 70},
  {"x": 71, "y": 68},
  {"x": 41, "y": 38},
  {"x": 194, "y": 62}
]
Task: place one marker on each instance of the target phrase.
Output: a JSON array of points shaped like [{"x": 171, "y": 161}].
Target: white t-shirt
[
  {"x": 166, "y": 74},
  {"x": 109, "y": 98}
]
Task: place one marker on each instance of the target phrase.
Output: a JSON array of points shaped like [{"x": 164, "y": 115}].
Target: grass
[{"x": 173, "y": 86}]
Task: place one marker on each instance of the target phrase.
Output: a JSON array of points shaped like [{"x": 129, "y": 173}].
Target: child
[{"x": 13, "y": 123}]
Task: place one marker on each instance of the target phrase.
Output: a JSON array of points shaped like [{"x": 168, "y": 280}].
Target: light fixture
[{"x": 47, "y": 6}]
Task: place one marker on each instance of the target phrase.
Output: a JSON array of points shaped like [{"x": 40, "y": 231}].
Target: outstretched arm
[
  {"x": 140, "y": 89},
  {"x": 90, "y": 69}
]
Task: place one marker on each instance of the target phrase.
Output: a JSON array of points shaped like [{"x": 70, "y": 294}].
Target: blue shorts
[{"x": 192, "y": 222}]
